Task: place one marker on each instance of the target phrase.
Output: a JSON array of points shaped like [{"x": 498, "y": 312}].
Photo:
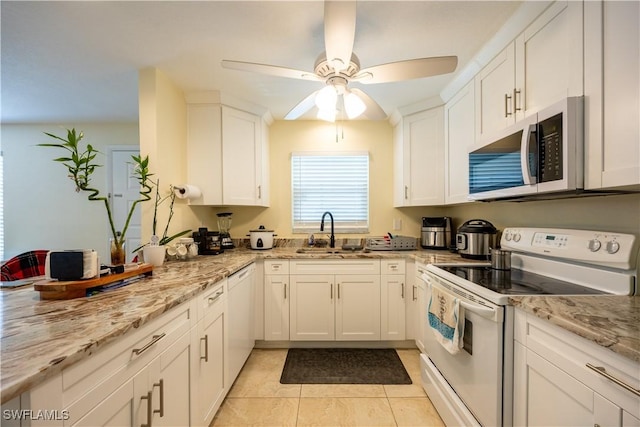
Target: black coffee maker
[{"x": 209, "y": 242}]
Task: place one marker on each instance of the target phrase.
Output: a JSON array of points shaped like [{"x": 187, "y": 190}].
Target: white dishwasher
[{"x": 241, "y": 318}]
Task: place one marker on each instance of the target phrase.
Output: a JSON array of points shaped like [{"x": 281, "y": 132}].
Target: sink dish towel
[{"x": 446, "y": 319}]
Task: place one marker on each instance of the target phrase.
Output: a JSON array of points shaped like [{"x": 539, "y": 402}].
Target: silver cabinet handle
[
  {"x": 154, "y": 340},
  {"x": 414, "y": 293},
  {"x": 215, "y": 297},
  {"x": 402, "y": 290},
  {"x": 285, "y": 291},
  {"x": 331, "y": 290},
  {"x": 602, "y": 371},
  {"x": 160, "y": 411},
  {"x": 406, "y": 192},
  {"x": 206, "y": 348},
  {"x": 507, "y": 97},
  {"x": 259, "y": 191},
  {"x": 149, "y": 409},
  {"x": 516, "y": 92},
  {"x": 338, "y": 290}
]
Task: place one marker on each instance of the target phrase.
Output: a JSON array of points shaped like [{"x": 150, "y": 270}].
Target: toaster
[{"x": 72, "y": 264}]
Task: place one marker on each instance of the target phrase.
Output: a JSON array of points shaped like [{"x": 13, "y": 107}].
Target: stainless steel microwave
[{"x": 543, "y": 153}]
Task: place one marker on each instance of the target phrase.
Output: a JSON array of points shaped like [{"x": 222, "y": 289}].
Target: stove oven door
[{"x": 469, "y": 382}]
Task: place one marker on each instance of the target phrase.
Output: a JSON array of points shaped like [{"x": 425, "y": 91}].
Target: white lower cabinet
[
  {"x": 276, "y": 300},
  {"x": 553, "y": 384},
  {"x": 210, "y": 381},
  {"x": 172, "y": 371},
  {"x": 392, "y": 300},
  {"x": 326, "y": 306}
]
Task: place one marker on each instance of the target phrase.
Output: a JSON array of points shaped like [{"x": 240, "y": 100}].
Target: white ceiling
[{"x": 78, "y": 61}]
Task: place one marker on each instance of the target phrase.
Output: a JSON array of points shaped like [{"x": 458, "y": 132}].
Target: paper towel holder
[{"x": 187, "y": 191}]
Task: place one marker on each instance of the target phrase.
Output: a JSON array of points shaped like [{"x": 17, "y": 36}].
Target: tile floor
[{"x": 258, "y": 399}]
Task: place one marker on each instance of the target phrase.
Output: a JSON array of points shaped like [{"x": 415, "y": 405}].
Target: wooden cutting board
[{"x": 54, "y": 289}]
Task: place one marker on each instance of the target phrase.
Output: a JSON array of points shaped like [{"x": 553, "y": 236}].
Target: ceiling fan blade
[
  {"x": 270, "y": 69},
  {"x": 339, "y": 32},
  {"x": 373, "y": 111},
  {"x": 302, "y": 107},
  {"x": 407, "y": 70}
]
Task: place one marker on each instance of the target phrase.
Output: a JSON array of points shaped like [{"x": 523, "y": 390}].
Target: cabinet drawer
[
  {"x": 276, "y": 266},
  {"x": 571, "y": 353},
  {"x": 240, "y": 275},
  {"x": 130, "y": 353},
  {"x": 345, "y": 266},
  {"x": 392, "y": 266},
  {"x": 212, "y": 298}
]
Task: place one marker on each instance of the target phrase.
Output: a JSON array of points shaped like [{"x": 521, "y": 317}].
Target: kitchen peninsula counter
[
  {"x": 39, "y": 338},
  {"x": 610, "y": 321}
]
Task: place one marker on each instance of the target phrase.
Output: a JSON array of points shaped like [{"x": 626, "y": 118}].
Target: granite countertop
[
  {"x": 610, "y": 321},
  {"x": 40, "y": 338}
]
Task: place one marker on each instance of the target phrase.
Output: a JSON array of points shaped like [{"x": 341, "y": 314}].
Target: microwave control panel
[{"x": 550, "y": 149}]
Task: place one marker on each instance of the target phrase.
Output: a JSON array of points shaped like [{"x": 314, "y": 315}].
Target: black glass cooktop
[{"x": 517, "y": 282}]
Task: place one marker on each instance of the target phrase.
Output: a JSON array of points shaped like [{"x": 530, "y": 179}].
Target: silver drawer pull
[
  {"x": 602, "y": 371},
  {"x": 215, "y": 297},
  {"x": 148, "y": 398},
  {"x": 154, "y": 340},
  {"x": 161, "y": 410},
  {"x": 206, "y": 348}
]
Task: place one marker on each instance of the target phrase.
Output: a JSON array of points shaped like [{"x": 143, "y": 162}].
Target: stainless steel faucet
[{"x": 332, "y": 239}]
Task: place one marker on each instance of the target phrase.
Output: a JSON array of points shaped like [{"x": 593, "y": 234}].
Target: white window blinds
[{"x": 334, "y": 182}]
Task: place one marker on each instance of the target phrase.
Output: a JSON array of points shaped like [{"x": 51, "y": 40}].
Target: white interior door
[{"x": 124, "y": 191}]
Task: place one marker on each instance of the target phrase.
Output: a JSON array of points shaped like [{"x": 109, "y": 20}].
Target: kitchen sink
[{"x": 331, "y": 251}]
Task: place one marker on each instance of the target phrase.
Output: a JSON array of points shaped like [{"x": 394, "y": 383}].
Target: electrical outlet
[{"x": 397, "y": 224}]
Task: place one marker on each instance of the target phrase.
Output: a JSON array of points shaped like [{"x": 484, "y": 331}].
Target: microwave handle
[{"x": 524, "y": 154}]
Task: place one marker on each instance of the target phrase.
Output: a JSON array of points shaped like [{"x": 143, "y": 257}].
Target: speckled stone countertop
[{"x": 609, "y": 321}]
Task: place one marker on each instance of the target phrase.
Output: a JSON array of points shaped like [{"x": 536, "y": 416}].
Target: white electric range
[{"x": 474, "y": 386}]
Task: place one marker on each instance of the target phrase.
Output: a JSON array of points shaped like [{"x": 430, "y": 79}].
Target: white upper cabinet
[
  {"x": 420, "y": 180},
  {"x": 459, "y": 134},
  {"x": 227, "y": 155},
  {"x": 612, "y": 88},
  {"x": 541, "y": 66}
]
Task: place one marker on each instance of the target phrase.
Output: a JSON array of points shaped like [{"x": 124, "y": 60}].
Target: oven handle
[{"x": 480, "y": 310}]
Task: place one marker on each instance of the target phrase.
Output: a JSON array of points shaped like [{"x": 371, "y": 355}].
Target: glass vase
[{"x": 118, "y": 254}]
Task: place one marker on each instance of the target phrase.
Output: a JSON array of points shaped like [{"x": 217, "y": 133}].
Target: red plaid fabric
[{"x": 28, "y": 264}]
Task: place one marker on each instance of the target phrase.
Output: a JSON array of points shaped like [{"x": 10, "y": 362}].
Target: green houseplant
[{"x": 81, "y": 164}]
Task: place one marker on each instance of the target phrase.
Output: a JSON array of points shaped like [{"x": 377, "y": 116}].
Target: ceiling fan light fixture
[
  {"x": 326, "y": 98},
  {"x": 353, "y": 105},
  {"x": 328, "y": 115}
]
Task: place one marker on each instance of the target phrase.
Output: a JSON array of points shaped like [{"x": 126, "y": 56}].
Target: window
[{"x": 334, "y": 182}]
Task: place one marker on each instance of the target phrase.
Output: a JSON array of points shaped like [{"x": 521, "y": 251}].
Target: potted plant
[{"x": 81, "y": 165}]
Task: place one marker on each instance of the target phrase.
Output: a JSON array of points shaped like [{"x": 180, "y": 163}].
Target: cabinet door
[
  {"x": 549, "y": 59},
  {"x": 357, "y": 307},
  {"x": 276, "y": 307},
  {"x": 459, "y": 135},
  {"x": 209, "y": 366},
  {"x": 494, "y": 92},
  {"x": 170, "y": 384},
  {"x": 120, "y": 408},
  {"x": 240, "y": 135},
  {"x": 400, "y": 190},
  {"x": 612, "y": 85},
  {"x": 262, "y": 165},
  {"x": 392, "y": 307},
  {"x": 423, "y": 169},
  {"x": 204, "y": 145},
  {"x": 312, "y": 308}
]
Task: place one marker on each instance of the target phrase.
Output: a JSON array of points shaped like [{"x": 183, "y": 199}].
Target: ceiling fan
[{"x": 338, "y": 66}]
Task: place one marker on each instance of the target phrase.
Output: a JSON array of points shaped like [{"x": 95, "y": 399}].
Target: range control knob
[
  {"x": 613, "y": 247},
  {"x": 516, "y": 237},
  {"x": 507, "y": 236},
  {"x": 594, "y": 245}
]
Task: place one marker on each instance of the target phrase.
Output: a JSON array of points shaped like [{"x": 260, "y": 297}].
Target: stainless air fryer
[{"x": 436, "y": 233}]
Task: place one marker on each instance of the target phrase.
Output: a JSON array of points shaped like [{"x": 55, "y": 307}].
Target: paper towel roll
[{"x": 187, "y": 191}]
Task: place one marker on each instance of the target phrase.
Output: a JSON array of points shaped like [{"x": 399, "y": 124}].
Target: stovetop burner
[{"x": 517, "y": 282}]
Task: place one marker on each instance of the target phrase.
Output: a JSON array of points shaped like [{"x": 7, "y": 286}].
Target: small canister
[{"x": 500, "y": 259}]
